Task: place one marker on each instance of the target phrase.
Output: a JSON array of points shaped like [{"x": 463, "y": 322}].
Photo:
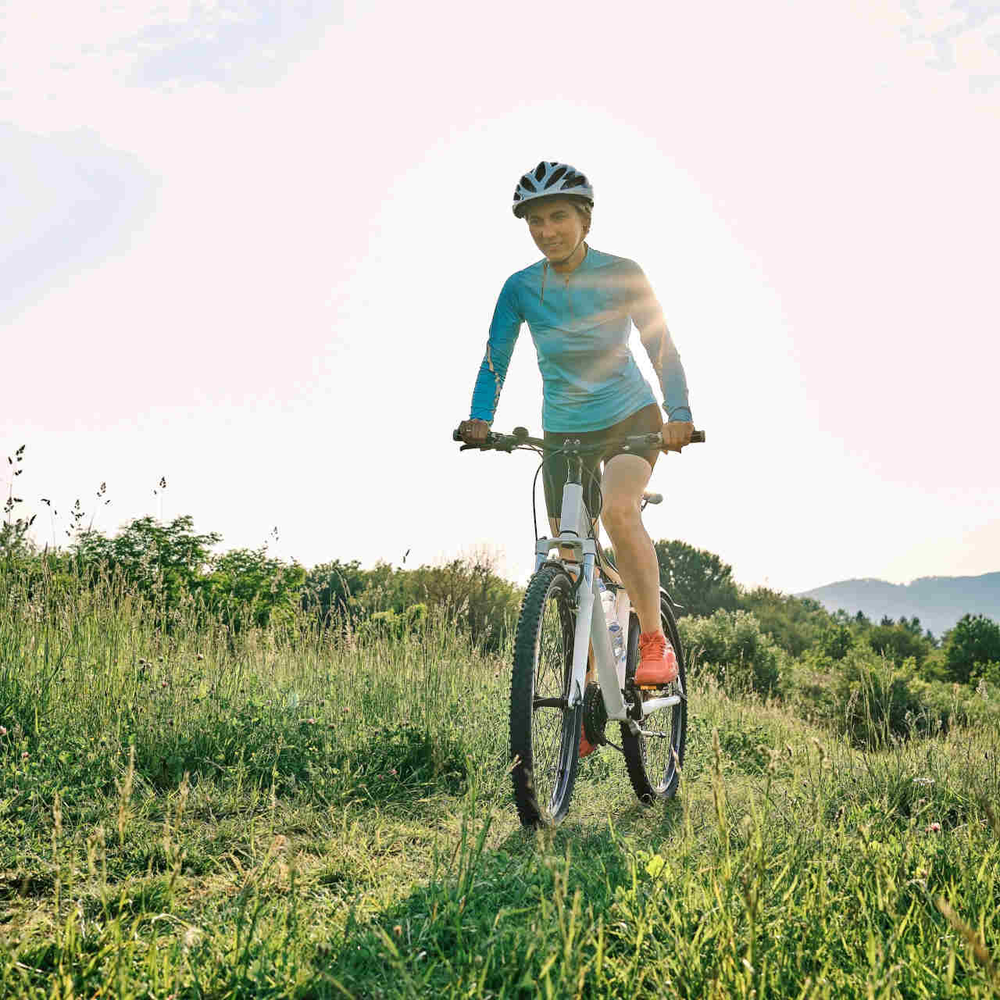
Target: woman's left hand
[{"x": 676, "y": 434}]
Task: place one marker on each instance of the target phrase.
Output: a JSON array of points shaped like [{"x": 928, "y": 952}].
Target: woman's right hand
[{"x": 473, "y": 431}]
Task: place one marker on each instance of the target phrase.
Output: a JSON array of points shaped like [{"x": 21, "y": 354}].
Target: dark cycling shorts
[{"x": 556, "y": 469}]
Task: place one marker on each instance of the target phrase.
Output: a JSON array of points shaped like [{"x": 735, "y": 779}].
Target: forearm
[
  {"x": 648, "y": 317},
  {"x": 499, "y": 348},
  {"x": 489, "y": 382},
  {"x": 670, "y": 372}
]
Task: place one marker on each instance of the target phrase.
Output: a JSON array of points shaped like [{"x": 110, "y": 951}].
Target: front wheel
[
  {"x": 544, "y": 730},
  {"x": 654, "y": 761}
]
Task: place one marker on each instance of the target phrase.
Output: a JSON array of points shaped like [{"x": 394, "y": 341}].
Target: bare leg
[{"x": 625, "y": 477}]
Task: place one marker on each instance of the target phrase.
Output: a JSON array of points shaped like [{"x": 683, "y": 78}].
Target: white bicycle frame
[{"x": 591, "y": 625}]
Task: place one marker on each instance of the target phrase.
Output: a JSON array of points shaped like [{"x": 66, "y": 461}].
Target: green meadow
[{"x": 192, "y": 810}]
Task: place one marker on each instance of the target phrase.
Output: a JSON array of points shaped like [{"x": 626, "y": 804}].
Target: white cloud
[
  {"x": 958, "y": 36},
  {"x": 69, "y": 70},
  {"x": 67, "y": 201},
  {"x": 235, "y": 43}
]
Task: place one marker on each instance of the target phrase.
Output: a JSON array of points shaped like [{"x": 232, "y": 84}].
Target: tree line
[{"x": 174, "y": 566}]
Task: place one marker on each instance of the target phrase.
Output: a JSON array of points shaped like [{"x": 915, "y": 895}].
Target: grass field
[{"x": 184, "y": 814}]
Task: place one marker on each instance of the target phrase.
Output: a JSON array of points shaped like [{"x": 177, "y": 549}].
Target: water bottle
[
  {"x": 615, "y": 632},
  {"x": 617, "y": 639}
]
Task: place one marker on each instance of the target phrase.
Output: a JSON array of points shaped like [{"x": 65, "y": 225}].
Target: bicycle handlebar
[{"x": 520, "y": 439}]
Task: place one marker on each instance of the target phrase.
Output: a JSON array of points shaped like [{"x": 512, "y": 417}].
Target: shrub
[
  {"x": 988, "y": 672},
  {"x": 863, "y": 696},
  {"x": 468, "y": 592},
  {"x": 875, "y": 699},
  {"x": 872, "y": 701},
  {"x": 973, "y": 642},
  {"x": 394, "y": 624},
  {"x": 812, "y": 689},
  {"x": 730, "y": 646}
]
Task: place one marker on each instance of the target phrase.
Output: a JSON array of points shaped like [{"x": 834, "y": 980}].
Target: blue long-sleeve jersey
[{"x": 580, "y": 323}]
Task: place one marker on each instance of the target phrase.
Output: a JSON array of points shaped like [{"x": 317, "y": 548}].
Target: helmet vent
[
  {"x": 550, "y": 179},
  {"x": 555, "y": 177}
]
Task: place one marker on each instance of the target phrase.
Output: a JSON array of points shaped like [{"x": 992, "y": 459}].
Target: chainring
[{"x": 595, "y": 715}]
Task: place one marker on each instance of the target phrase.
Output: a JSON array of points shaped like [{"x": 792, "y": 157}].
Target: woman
[{"x": 579, "y": 304}]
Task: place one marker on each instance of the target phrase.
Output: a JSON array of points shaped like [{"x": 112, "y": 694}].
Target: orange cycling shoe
[
  {"x": 658, "y": 661},
  {"x": 586, "y": 747}
]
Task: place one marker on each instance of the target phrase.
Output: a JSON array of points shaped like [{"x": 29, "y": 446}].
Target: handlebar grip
[
  {"x": 697, "y": 437},
  {"x": 490, "y": 438}
]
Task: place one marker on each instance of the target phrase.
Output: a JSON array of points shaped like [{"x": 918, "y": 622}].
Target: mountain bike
[{"x": 561, "y": 617}]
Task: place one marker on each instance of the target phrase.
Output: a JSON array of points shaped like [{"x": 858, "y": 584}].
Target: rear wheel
[
  {"x": 654, "y": 761},
  {"x": 544, "y": 731}
]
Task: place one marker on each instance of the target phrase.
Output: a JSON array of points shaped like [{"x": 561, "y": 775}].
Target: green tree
[
  {"x": 836, "y": 640},
  {"x": 696, "y": 579},
  {"x": 472, "y": 593},
  {"x": 795, "y": 623},
  {"x": 163, "y": 561},
  {"x": 973, "y": 642},
  {"x": 899, "y": 642},
  {"x": 247, "y": 585}
]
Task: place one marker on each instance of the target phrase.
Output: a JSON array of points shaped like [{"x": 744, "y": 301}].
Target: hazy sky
[{"x": 254, "y": 247}]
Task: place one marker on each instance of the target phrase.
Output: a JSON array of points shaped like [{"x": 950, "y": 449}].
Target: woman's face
[{"x": 556, "y": 227}]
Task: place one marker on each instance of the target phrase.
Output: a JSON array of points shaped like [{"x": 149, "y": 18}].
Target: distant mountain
[{"x": 938, "y": 601}]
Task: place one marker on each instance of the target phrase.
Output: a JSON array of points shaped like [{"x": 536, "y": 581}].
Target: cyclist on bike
[{"x": 580, "y": 316}]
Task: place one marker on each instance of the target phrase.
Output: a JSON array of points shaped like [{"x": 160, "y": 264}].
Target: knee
[{"x": 620, "y": 515}]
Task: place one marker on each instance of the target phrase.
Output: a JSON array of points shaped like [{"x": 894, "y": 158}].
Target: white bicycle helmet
[{"x": 548, "y": 179}]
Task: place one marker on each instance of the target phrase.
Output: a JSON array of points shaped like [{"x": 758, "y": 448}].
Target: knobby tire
[
  {"x": 544, "y": 742},
  {"x": 654, "y": 762}
]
